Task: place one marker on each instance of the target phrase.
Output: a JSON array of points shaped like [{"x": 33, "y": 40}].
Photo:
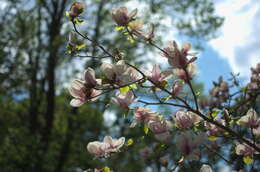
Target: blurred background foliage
[{"x": 39, "y": 130}]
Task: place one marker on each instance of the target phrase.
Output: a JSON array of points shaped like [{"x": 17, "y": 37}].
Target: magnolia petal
[
  {"x": 89, "y": 76},
  {"x": 75, "y": 92},
  {"x": 133, "y": 13},
  {"x": 108, "y": 139},
  {"x": 108, "y": 70},
  {"x": 76, "y": 102},
  {"x": 119, "y": 142},
  {"x": 186, "y": 46}
]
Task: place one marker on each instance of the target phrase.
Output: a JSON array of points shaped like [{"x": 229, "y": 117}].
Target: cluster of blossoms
[
  {"x": 250, "y": 120},
  {"x": 83, "y": 90},
  {"x": 178, "y": 59},
  {"x": 254, "y": 83},
  {"x": 188, "y": 145},
  {"x": 219, "y": 94},
  {"x": 185, "y": 120},
  {"x": 119, "y": 73},
  {"x": 124, "y": 77},
  {"x": 105, "y": 148},
  {"x": 159, "y": 126},
  {"x": 212, "y": 129}
]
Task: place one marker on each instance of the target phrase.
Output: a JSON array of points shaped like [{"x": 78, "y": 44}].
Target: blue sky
[{"x": 237, "y": 47}]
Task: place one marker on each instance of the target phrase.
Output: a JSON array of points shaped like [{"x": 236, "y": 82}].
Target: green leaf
[
  {"x": 118, "y": 28},
  {"x": 130, "y": 39},
  {"x": 166, "y": 98},
  {"x": 79, "y": 47},
  {"x": 164, "y": 83},
  {"x": 133, "y": 86},
  {"x": 212, "y": 138},
  {"x": 130, "y": 142},
  {"x": 124, "y": 90},
  {"x": 77, "y": 21},
  {"x": 198, "y": 94},
  {"x": 146, "y": 130},
  {"x": 161, "y": 117},
  {"x": 214, "y": 113},
  {"x": 107, "y": 169},
  {"x": 248, "y": 160}
]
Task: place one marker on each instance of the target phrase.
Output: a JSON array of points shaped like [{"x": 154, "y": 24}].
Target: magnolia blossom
[
  {"x": 181, "y": 74},
  {"x": 124, "y": 100},
  {"x": 159, "y": 126},
  {"x": 83, "y": 90},
  {"x": 249, "y": 120},
  {"x": 184, "y": 119},
  {"x": 76, "y": 9},
  {"x": 160, "y": 129},
  {"x": 177, "y": 87},
  {"x": 119, "y": 73},
  {"x": 212, "y": 129},
  {"x": 206, "y": 168},
  {"x": 245, "y": 150},
  {"x": 256, "y": 131},
  {"x": 188, "y": 143},
  {"x": 105, "y": 148},
  {"x": 90, "y": 78},
  {"x": 156, "y": 75},
  {"x": 122, "y": 17},
  {"x": 177, "y": 58},
  {"x": 143, "y": 114}
]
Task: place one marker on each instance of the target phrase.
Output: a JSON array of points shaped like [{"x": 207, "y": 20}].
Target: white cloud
[{"x": 238, "y": 42}]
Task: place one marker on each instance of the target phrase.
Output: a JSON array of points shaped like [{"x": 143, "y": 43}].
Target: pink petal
[{"x": 76, "y": 102}]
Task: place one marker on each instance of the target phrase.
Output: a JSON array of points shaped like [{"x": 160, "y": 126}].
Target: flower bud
[
  {"x": 121, "y": 16},
  {"x": 76, "y": 9}
]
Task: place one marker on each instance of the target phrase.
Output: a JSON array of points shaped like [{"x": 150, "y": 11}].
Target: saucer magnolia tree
[{"x": 200, "y": 125}]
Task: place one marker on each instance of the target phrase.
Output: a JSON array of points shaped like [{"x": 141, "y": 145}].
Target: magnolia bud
[{"x": 76, "y": 9}]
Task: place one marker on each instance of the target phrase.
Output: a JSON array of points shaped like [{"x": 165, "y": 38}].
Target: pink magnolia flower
[
  {"x": 156, "y": 75},
  {"x": 213, "y": 130},
  {"x": 81, "y": 93},
  {"x": 90, "y": 78},
  {"x": 143, "y": 114},
  {"x": 243, "y": 149},
  {"x": 159, "y": 126},
  {"x": 177, "y": 87},
  {"x": 114, "y": 144},
  {"x": 249, "y": 120},
  {"x": 99, "y": 149},
  {"x": 177, "y": 58},
  {"x": 105, "y": 148},
  {"x": 181, "y": 74},
  {"x": 124, "y": 100},
  {"x": 160, "y": 129},
  {"x": 185, "y": 120},
  {"x": 122, "y": 17},
  {"x": 119, "y": 73},
  {"x": 188, "y": 143}
]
